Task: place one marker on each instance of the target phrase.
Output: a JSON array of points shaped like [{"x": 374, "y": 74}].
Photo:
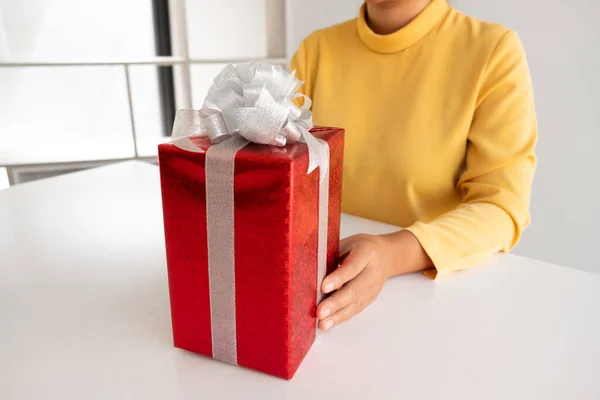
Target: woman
[{"x": 440, "y": 136}]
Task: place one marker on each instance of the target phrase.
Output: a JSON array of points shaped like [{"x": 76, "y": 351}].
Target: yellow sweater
[{"x": 440, "y": 128}]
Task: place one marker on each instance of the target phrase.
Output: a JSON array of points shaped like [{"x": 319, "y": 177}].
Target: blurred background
[{"x": 85, "y": 83}]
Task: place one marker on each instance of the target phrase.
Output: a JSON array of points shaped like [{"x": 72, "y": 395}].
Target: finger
[
  {"x": 361, "y": 295},
  {"x": 353, "y": 264},
  {"x": 342, "y": 315},
  {"x": 337, "y": 301}
]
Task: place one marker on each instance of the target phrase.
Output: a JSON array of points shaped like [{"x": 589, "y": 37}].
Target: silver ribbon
[{"x": 251, "y": 102}]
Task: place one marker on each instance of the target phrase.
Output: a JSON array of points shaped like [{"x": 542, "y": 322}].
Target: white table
[{"x": 85, "y": 315}]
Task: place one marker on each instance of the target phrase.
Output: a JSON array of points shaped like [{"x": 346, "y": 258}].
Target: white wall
[
  {"x": 562, "y": 42},
  {"x": 306, "y": 16},
  {"x": 245, "y": 36}
]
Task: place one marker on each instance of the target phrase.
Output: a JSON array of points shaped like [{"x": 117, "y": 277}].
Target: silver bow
[{"x": 254, "y": 101}]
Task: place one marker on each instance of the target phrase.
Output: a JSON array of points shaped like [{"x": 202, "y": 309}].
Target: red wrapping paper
[{"x": 276, "y": 230}]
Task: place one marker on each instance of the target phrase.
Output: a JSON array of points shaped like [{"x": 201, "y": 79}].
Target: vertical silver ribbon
[
  {"x": 323, "y": 218},
  {"x": 248, "y": 103},
  {"x": 220, "y": 164}
]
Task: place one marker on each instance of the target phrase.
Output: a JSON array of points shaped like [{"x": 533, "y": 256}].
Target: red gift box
[{"x": 276, "y": 208}]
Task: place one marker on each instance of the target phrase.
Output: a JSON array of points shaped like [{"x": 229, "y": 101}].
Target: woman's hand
[{"x": 368, "y": 261}]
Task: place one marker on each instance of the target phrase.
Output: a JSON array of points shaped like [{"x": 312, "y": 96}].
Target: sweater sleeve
[{"x": 500, "y": 162}]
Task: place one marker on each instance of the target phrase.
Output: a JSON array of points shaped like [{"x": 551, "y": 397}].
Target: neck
[{"x": 392, "y": 15}]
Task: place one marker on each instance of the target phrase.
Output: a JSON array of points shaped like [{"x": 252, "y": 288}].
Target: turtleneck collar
[{"x": 407, "y": 35}]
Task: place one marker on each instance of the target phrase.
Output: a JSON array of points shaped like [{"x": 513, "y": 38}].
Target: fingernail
[
  {"x": 325, "y": 313},
  {"x": 328, "y": 324},
  {"x": 328, "y": 287}
]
